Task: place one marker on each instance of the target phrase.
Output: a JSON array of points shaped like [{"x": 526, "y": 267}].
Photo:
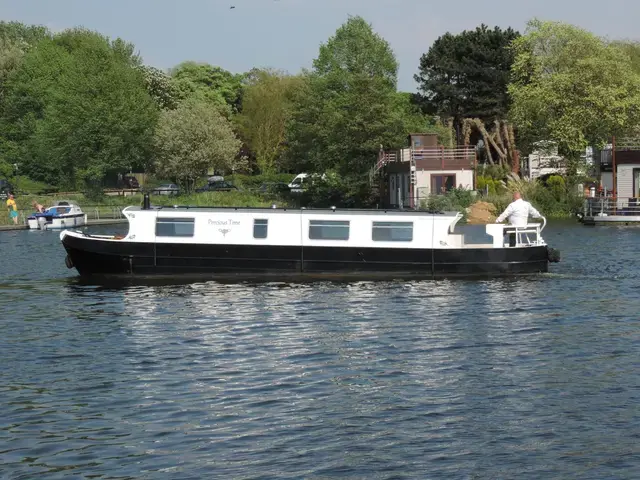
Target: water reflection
[{"x": 509, "y": 378}]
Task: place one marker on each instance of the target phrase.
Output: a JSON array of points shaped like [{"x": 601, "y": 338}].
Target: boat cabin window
[
  {"x": 174, "y": 227},
  {"x": 328, "y": 229},
  {"x": 392, "y": 232},
  {"x": 260, "y": 227}
]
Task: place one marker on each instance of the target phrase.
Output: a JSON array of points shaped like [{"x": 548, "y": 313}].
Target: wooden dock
[{"x": 90, "y": 223}]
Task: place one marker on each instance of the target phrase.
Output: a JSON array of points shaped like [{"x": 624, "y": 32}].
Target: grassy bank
[{"x": 110, "y": 206}]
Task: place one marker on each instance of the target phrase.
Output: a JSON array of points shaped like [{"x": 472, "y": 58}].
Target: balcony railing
[
  {"x": 444, "y": 158},
  {"x": 605, "y": 206}
]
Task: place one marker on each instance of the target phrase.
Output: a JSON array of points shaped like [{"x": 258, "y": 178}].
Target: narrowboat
[
  {"x": 62, "y": 214},
  {"x": 281, "y": 242}
]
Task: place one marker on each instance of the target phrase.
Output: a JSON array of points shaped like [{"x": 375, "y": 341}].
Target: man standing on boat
[{"x": 518, "y": 213}]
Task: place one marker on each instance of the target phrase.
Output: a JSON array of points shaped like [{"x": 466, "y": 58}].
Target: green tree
[
  {"x": 15, "y": 40},
  {"x": 160, "y": 87},
  {"x": 77, "y": 109},
  {"x": 466, "y": 75},
  {"x": 267, "y": 103},
  {"x": 571, "y": 87},
  {"x": 204, "y": 82},
  {"x": 349, "y": 105},
  {"x": 192, "y": 139}
]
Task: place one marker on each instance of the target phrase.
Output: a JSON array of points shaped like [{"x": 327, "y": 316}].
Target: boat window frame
[
  {"x": 325, "y": 223},
  {"x": 260, "y": 225},
  {"x": 176, "y": 220},
  {"x": 387, "y": 226}
]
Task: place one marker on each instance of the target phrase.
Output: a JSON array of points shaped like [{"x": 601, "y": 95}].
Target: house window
[
  {"x": 260, "y": 228},
  {"x": 174, "y": 227},
  {"x": 328, "y": 230},
  {"x": 392, "y": 232},
  {"x": 442, "y": 183}
]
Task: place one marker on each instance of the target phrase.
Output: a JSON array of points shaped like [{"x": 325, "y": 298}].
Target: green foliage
[
  {"x": 267, "y": 103},
  {"x": 193, "y": 138},
  {"x": 15, "y": 40},
  {"x": 466, "y": 75},
  {"x": 160, "y": 87},
  {"x": 556, "y": 198},
  {"x": 76, "y": 109},
  {"x": 490, "y": 185},
  {"x": 557, "y": 187},
  {"x": 571, "y": 87},
  {"x": 25, "y": 185},
  {"x": 631, "y": 49},
  {"x": 336, "y": 190},
  {"x": 24, "y": 35},
  {"x": 349, "y": 107},
  {"x": 251, "y": 182},
  {"x": 496, "y": 172},
  {"x": 205, "y": 83}
]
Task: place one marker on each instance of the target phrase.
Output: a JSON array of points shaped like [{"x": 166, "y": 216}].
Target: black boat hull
[{"x": 94, "y": 257}]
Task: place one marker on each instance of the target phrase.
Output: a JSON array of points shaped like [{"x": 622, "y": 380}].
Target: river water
[{"x": 523, "y": 378}]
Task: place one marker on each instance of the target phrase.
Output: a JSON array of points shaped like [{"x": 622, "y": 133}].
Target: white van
[
  {"x": 296, "y": 184},
  {"x": 299, "y": 183}
]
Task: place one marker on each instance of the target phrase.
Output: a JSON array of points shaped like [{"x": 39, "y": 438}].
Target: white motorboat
[{"x": 62, "y": 214}]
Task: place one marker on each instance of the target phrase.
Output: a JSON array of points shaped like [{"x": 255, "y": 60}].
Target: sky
[{"x": 286, "y": 34}]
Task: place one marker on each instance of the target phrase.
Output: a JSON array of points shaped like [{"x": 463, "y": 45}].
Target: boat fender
[
  {"x": 68, "y": 262},
  {"x": 553, "y": 255}
]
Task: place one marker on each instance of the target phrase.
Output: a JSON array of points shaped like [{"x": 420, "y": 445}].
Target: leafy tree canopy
[
  {"x": 205, "y": 82},
  {"x": 15, "y": 40},
  {"x": 192, "y": 139},
  {"x": 267, "y": 104},
  {"x": 77, "y": 108},
  {"x": 571, "y": 87},
  {"x": 160, "y": 87},
  {"x": 466, "y": 75},
  {"x": 24, "y": 36},
  {"x": 349, "y": 106}
]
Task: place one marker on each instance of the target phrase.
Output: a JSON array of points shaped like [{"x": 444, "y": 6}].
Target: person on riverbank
[
  {"x": 13, "y": 208},
  {"x": 38, "y": 208},
  {"x": 518, "y": 213}
]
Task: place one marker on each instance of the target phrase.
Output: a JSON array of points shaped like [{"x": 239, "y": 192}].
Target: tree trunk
[
  {"x": 452, "y": 132},
  {"x": 487, "y": 139},
  {"x": 515, "y": 166},
  {"x": 467, "y": 129}
]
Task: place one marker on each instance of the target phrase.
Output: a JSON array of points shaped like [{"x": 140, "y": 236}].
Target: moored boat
[
  {"x": 62, "y": 214},
  {"x": 282, "y": 242}
]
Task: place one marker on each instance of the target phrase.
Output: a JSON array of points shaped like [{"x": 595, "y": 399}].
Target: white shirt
[{"x": 518, "y": 213}]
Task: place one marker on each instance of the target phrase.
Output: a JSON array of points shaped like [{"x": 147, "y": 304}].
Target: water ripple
[{"x": 524, "y": 378}]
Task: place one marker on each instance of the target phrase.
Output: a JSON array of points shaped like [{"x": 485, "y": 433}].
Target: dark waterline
[{"x": 531, "y": 377}]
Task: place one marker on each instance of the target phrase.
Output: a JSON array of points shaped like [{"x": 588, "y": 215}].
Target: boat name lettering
[{"x": 224, "y": 222}]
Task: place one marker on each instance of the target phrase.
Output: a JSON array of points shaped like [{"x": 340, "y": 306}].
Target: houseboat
[
  {"x": 62, "y": 214},
  {"x": 617, "y": 200},
  {"x": 281, "y": 242}
]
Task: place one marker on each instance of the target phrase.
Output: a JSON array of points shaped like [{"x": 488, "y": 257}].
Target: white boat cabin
[{"x": 321, "y": 227}]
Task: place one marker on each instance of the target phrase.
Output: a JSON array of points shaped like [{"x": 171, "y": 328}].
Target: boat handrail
[{"x": 544, "y": 224}]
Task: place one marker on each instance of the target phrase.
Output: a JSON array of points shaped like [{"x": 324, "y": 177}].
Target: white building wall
[
  {"x": 624, "y": 179},
  {"x": 423, "y": 180}
]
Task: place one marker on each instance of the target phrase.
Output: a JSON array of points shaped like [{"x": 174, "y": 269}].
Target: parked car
[
  {"x": 166, "y": 189},
  {"x": 130, "y": 181},
  {"x": 300, "y": 182},
  {"x": 219, "y": 186}
]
